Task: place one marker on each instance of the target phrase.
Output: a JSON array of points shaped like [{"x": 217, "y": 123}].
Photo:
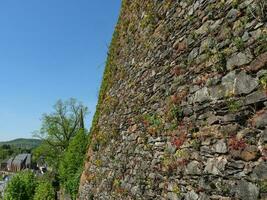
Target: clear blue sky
[{"x": 50, "y": 50}]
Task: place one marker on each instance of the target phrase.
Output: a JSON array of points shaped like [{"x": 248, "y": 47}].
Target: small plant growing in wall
[
  {"x": 221, "y": 67},
  {"x": 169, "y": 164},
  {"x": 177, "y": 113},
  {"x": 117, "y": 186},
  {"x": 181, "y": 153},
  {"x": 172, "y": 161},
  {"x": 149, "y": 18},
  {"x": 233, "y": 105},
  {"x": 196, "y": 144},
  {"x": 98, "y": 163},
  {"x": 236, "y": 144},
  {"x": 263, "y": 186},
  {"x": 239, "y": 43},
  {"x": 116, "y": 183},
  {"x": 176, "y": 190},
  {"x": 182, "y": 156},
  {"x": 263, "y": 81},
  {"x": 153, "y": 120},
  {"x": 235, "y": 3},
  {"x": 178, "y": 141},
  {"x": 153, "y": 123},
  {"x": 173, "y": 126}
]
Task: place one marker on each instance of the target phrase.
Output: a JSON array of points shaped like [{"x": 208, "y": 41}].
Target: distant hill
[{"x": 23, "y": 143}]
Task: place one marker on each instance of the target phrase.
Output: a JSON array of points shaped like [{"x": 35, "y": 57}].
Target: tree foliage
[
  {"x": 51, "y": 155},
  {"x": 21, "y": 187},
  {"x": 72, "y": 163},
  {"x": 58, "y": 129},
  {"x": 25, "y": 186},
  {"x": 44, "y": 191},
  {"x": 64, "y": 142}
]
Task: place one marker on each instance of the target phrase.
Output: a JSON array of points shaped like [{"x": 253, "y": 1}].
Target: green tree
[
  {"x": 72, "y": 163},
  {"x": 44, "y": 191},
  {"x": 58, "y": 129},
  {"x": 50, "y": 154},
  {"x": 21, "y": 187}
]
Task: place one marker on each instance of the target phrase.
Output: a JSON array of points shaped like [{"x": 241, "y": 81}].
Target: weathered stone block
[
  {"x": 239, "y": 59},
  {"x": 246, "y": 190}
]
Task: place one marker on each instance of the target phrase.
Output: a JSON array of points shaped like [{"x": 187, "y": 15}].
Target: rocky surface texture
[{"x": 182, "y": 110}]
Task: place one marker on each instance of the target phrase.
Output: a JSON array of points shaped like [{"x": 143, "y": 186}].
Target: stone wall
[{"x": 182, "y": 110}]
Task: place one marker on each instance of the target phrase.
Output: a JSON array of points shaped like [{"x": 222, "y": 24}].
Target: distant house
[
  {"x": 20, "y": 162},
  {"x": 29, "y": 161}
]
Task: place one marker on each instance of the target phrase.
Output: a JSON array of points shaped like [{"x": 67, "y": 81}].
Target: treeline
[
  {"x": 22, "y": 143},
  {"x": 64, "y": 143}
]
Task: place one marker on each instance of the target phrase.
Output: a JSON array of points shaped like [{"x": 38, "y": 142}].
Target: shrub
[
  {"x": 21, "y": 187},
  {"x": 44, "y": 191}
]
